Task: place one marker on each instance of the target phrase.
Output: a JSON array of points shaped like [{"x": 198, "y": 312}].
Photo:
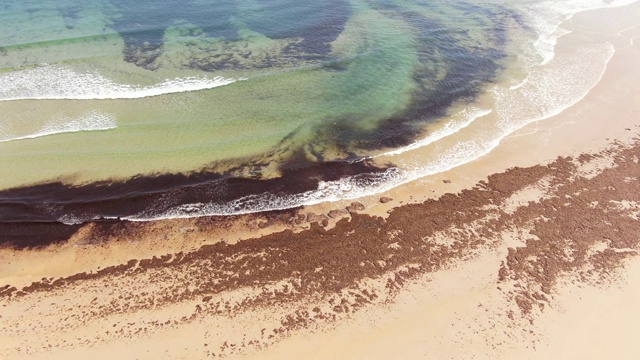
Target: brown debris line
[
  {"x": 324, "y": 264},
  {"x": 362, "y": 239}
]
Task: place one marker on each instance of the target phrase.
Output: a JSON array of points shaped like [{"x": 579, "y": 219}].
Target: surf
[{"x": 57, "y": 82}]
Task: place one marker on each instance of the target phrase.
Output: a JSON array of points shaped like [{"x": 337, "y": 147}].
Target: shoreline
[
  {"x": 266, "y": 295},
  {"x": 468, "y": 250},
  {"x": 137, "y": 199},
  {"x": 561, "y": 135}
]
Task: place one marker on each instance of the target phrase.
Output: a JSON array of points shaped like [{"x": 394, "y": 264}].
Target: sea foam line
[
  {"x": 456, "y": 124},
  {"x": 91, "y": 121},
  {"x": 349, "y": 188},
  {"x": 520, "y": 84},
  {"x": 55, "y": 82}
]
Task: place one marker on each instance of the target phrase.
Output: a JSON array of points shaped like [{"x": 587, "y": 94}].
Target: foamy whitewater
[{"x": 54, "y": 82}]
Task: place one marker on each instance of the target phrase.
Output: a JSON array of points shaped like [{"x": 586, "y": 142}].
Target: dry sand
[{"x": 538, "y": 261}]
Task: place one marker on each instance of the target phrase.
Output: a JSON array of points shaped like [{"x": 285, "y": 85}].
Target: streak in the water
[{"x": 91, "y": 121}]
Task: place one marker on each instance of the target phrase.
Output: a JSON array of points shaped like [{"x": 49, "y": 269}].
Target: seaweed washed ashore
[{"x": 313, "y": 277}]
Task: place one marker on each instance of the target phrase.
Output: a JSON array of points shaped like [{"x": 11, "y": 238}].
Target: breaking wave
[{"x": 55, "y": 82}]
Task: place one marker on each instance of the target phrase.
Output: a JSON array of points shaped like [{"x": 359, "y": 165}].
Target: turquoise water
[
  {"x": 317, "y": 77},
  {"x": 111, "y": 90}
]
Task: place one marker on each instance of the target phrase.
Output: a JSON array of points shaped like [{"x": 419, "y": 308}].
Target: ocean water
[{"x": 160, "y": 109}]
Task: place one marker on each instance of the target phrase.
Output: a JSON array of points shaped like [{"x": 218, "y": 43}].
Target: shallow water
[{"x": 203, "y": 92}]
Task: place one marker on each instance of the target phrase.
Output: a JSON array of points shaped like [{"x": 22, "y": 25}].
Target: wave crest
[{"x": 55, "y": 82}]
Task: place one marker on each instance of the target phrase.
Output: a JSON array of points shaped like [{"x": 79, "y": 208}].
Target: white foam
[
  {"x": 91, "y": 121},
  {"x": 69, "y": 219},
  {"x": 552, "y": 89},
  {"x": 55, "y": 82},
  {"x": 546, "y": 17},
  {"x": 520, "y": 84},
  {"x": 344, "y": 189},
  {"x": 458, "y": 122},
  {"x": 347, "y": 188}
]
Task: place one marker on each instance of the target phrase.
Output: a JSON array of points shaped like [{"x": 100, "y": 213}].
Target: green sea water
[{"x": 324, "y": 100}]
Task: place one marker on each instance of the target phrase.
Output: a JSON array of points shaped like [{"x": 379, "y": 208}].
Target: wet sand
[{"x": 520, "y": 254}]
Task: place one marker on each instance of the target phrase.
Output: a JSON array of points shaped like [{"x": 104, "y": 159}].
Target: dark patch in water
[
  {"x": 142, "y": 25},
  {"x": 320, "y": 30},
  {"x": 29, "y": 215},
  {"x": 468, "y": 70},
  {"x": 70, "y": 15}
]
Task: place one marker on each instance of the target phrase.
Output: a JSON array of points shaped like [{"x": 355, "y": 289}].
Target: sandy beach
[{"x": 529, "y": 252}]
